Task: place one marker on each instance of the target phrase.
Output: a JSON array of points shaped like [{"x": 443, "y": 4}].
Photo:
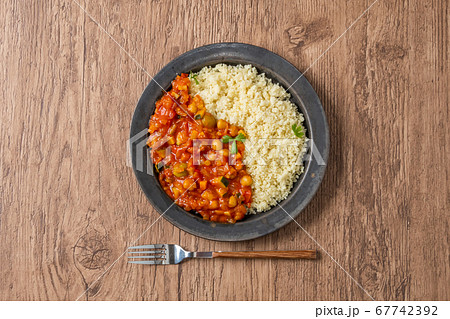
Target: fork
[{"x": 166, "y": 254}]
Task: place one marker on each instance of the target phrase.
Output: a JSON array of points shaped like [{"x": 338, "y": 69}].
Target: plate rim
[{"x": 216, "y": 52}]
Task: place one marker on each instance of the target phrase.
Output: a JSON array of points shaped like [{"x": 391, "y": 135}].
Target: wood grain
[{"x": 69, "y": 204}]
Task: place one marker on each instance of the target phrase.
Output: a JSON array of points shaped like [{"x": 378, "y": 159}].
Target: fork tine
[
  {"x": 148, "y": 257},
  {"x": 147, "y": 262},
  {"x": 154, "y": 252},
  {"x": 148, "y": 246}
]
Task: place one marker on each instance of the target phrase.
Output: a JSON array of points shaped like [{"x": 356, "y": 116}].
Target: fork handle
[{"x": 285, "y": 254}]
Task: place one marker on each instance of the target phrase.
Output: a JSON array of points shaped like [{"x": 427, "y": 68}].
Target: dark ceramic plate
[{"x": 302, "y": 95}]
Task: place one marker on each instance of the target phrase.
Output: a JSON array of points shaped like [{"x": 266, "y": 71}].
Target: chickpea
[
  {"x": 231, "y": 173},
  {"x": 220, "y": 162},
  {"x": 211, "y": 156},
  {"x": 185, "y": 157},
  {"x": 207, "y": 195},
  {"x": 214, "y": 204},
  {"x": 221, "y": 124},
  {"x": 239, "y": 166},
  {"x": 246, "y": 180},
  {"x": 232, "y": 202},
  {"x": 176, "y": 192},
  {"x": 190, "y": 170},
  {"x": 225, "y": 152},
  {"x": 202, "y": 203},
  {"x": 233, "y": 130},
  {"x": 209, "y": 120},
  {"x": 192, "y": 108},
  {"x": 216, "y": 145},
  {"x": 171, "y": 140},
  {"x": 189, "y": 183}
]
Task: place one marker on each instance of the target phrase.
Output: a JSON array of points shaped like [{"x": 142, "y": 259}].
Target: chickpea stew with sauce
[{"x": 199, "y": 158}]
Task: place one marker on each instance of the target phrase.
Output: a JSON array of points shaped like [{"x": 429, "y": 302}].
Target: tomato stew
[{"x": 199, "y": 159}]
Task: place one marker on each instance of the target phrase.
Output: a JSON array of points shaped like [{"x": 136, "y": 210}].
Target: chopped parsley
[
  {"x": 193, "y": 76},
  {"x": 298, "y": 130},
  {"x": 227, "y": 139}
]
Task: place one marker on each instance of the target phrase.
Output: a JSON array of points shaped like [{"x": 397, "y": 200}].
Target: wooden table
[{"x": 70, "y": 205}]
